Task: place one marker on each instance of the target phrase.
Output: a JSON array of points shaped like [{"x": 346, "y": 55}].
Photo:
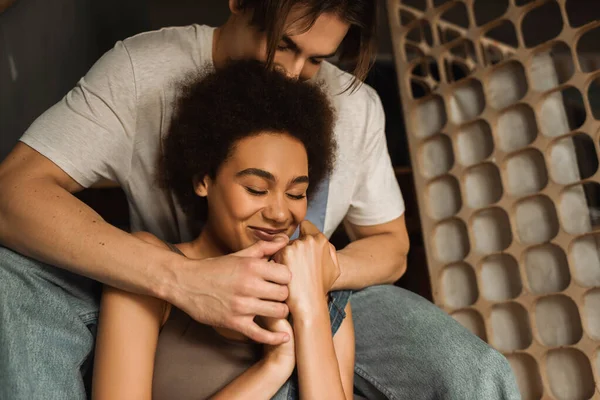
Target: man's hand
[
  {"x": 230, "y": 291},
  {"x": 314, "y": 266}
]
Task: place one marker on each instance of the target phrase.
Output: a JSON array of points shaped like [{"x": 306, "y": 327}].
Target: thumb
[
  {"x": 262, "y": 249},
  {"x": 308, "y": 228}
]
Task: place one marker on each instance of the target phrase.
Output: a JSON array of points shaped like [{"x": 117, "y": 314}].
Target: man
[{"x": 110, "y": 126}]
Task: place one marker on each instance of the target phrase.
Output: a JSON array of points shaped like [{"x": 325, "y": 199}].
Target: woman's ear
[{"x": 201, "y": 185}]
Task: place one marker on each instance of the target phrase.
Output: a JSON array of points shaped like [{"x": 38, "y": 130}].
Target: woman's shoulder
[
  {"x": 133, "y": 307},
  {"x": 160, "y": 308}
]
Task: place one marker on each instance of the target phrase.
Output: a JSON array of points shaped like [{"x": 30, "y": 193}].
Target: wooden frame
[{"x": 505, "y": 141}]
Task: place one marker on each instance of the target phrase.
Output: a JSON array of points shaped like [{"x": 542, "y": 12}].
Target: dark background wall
[
  {"x": 43, "y": 47},
  {"x": 46, "y": 46}
]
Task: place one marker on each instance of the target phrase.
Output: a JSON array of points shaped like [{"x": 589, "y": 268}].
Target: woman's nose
[{"x": 276, "y": 211}]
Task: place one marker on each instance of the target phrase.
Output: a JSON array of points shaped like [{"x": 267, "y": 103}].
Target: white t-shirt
[{"x": 110, "y": 126}]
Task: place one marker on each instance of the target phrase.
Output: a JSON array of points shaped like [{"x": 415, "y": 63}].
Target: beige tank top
[{"x": 193, "y": 361}]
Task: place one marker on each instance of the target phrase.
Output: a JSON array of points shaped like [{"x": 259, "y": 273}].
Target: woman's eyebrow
[
  {"x": 300, "y": 179},
  {"x": 261, "y": 173}
]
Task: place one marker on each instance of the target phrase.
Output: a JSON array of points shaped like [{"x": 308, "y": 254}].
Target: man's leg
[
  {"x": 45, "y": 318},
  {"x": 407, "y": 348}
]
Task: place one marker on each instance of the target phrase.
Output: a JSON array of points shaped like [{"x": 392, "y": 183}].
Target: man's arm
[
  {"x": 40, "y": 218},
  {"x": 377, "y": 255},
  {"x": 375, "y": 220}
]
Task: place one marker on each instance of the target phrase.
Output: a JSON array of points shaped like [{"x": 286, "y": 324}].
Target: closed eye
[
  {"x": 296, "y": 196},
  {"x": 255, "y": 192}
]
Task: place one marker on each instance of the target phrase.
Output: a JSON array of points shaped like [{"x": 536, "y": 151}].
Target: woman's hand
[
  {"x": 264, "y": 378},
  {"x": 314, "y": 266},
  {"x": 284, "y": 355}
]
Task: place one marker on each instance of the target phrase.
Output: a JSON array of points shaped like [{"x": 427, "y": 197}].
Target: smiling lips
[{"x": 266, "y": 233}]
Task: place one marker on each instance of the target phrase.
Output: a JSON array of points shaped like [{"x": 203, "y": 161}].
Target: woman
[{"x": 240, "y": 153}]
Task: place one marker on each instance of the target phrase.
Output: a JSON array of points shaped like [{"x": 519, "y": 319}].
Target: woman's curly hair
[{"x": 242, "y": 99}]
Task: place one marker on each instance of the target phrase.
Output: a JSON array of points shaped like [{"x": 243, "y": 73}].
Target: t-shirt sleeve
[
  {"x": 377, "y": 198},
  {"x": 89, "y": 133}
]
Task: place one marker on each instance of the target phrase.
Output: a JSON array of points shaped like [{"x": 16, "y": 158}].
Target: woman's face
[{"x": 258, "y": 192}]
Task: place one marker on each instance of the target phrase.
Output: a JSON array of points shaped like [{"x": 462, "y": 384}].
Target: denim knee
[
  {"x": 44, "y": 329},
  {"x": 427, "y": 354}
]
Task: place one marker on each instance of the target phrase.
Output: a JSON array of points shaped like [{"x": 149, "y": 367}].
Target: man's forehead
[
  {"x": 301, "y": 21},
  {"x": 319, "y": 38}
]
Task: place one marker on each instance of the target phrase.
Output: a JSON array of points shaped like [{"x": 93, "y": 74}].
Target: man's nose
[{"x": 292, "y": 67}]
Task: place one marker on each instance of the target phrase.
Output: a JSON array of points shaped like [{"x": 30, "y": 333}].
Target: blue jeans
[{"x": 47, "y": 320}]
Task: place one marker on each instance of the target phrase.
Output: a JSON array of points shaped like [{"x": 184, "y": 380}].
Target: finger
[
  {"x": 262, "y": 249},
  {"x": 260, "y": 335},
  {"x": 275, "y": 272},
  {"x": 264, "y": 308},
  {"x": 270, "y": 291},
  {"x": 308, "y": 228},
  {"x": 276, "y": 325}
]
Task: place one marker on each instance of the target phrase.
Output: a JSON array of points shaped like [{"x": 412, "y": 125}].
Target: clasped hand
[
  {"x": 314, "y": 267},
  {"x": 231, "y": 291},
  {"x": 313, "y": 263}
]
